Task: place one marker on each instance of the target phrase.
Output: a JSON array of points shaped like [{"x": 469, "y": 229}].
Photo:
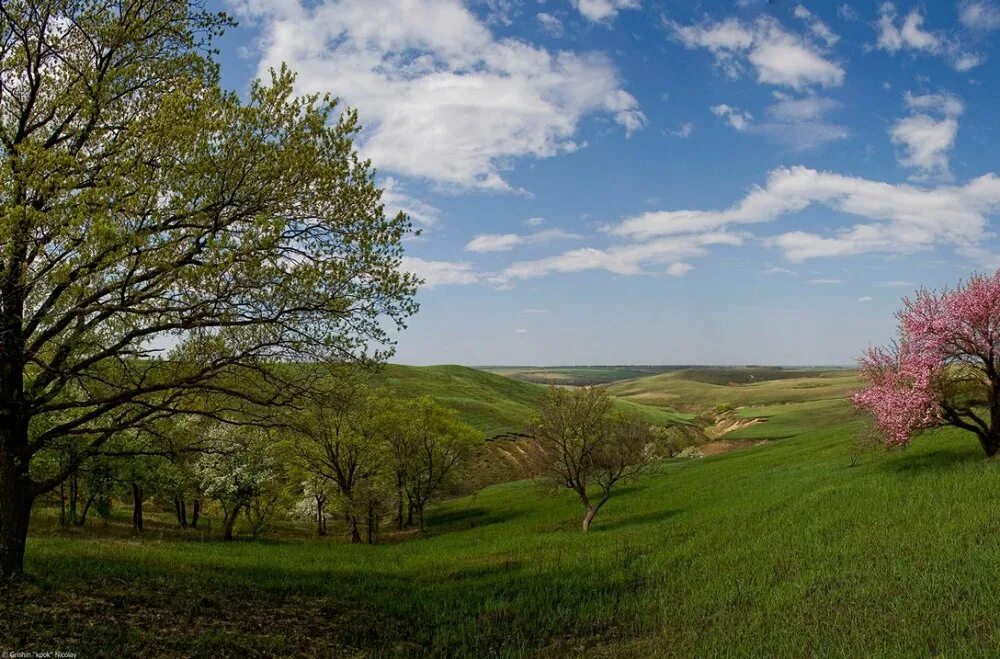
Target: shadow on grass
[
  {"x": 939, "y": 459},
  {"x": 612, "y": 523},
  {"x": 467, "y": 518},
  {"x": 116, "y": 606}
]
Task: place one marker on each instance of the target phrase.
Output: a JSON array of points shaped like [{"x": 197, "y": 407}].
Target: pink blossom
[{"x": 936, "y": 331}]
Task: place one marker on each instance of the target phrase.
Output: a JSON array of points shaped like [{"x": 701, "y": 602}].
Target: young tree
[
  {"x": 943, "y": 369},
  {"x": 240, "y": 468},
  {"x": 433, "y": 446},
  {"x": 141, "y": 206},
  {"x": 585, "y": 442},
  {"x": 337, "y": 439}
]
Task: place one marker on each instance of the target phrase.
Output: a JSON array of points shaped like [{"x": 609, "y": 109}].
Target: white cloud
[
  {"x": 865, "y": 298},
  {"x": 624, "y": 259},
  {"x": 779, "y": 57},
  {"x": 816, "y": 26},
  {"x": 679, "y": 269},
  {"x": 521, "y": 330},
  {"x": 493, "y": 242},
  {"x": 847, "y": 12},
  {"x": 684, "y": 131},
  {"x": 928, "y": 133},
  {"x": 534, "y": 311},
  {"x": 535, "y": 221},
  {"x": 796, "y": 122},
  {"x": 442, "y": 98},
  {"x": 550, "y": 24},
  {"x": 903, "y": 217},
  {"x": 439, "y": 273},
  {"x": 897, "y": 284},
  {"x": 602, "y": 10},
  {"x": 734, "y": 116},
  {"x": 396, "y": 199},
  {"x": 908, "y": 33},
  {"x": 825, "y": 282},
  {"x": 777, "y": 270},
  {"x": 501, "y": 242},
  {"x": 979, "y": 15}
]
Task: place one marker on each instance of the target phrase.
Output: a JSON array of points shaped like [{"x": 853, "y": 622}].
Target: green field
[{"x": 801, "y": 546}]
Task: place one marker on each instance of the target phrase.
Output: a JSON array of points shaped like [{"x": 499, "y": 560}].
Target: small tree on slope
[{"x": 943, "y": 368}]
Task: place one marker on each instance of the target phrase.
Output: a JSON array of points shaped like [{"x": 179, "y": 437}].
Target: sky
[{"x": 653, "y": 182}]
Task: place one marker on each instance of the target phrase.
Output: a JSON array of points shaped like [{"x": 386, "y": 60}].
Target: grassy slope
[
  {"x": 788, "y": 549},
  {"x": 491, "y": 403},
  {"x": 672, "y": 391}
]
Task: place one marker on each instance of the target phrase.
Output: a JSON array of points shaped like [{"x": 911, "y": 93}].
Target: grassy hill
[
  {"x": 587, "y": 375},
  {"x": 491, "y": 403},
  {"x": 792, "y": 548}
]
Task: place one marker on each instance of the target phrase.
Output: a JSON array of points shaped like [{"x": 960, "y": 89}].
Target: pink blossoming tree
[{"x": 944, "y": 367}]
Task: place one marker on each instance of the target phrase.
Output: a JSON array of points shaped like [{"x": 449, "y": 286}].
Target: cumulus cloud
[
  {"x": 896, "y": 33},
  {"x": 825, "y": 282},
  {"x": 734, "y": 116},
  {"x": 550, "y": 24},
  {"x": 797, "y": 122},
  {"x": 441, "y": 96},
  {"x": 501, "y": 242},
  {"x": 439, "y": 273},
  {"x": 902, "y": 217},
  {"x": 631, "y": 259},
  {"x": 779, "y": 57},
  {"x": 979, "y": 15},
  {"x": 603, "y": 10},
  {"x": 865, "y": 298},
  {"x": 684, "y": 131},
  {"x": 819, "y": 29},
  {"x": 928, "y": 133},
  {"x": 396, "y": 199}
]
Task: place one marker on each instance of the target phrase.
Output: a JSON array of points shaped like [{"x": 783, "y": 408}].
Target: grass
[
  {"x": 491, "y": 403},
  {"x": 792, "y": 548}
]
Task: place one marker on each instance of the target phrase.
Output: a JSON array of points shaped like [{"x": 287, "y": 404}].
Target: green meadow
[{"x": 805, "y": 544}]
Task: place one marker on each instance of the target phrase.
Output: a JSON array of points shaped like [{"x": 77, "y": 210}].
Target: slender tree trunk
[
  {"x": 62, "y": 505},
  {"x": 15, "y": 514},
  {"x": 181, "y": 509},
  {"x": 409, "y": 515},
  {"x": 86, "y": 507},
  {"x": 588, "y": 519},
  {"x": 74, "y": 495},
  {"x": 320, "y": 517},
  {"x": 195, "y": 511},
  {"x": 420, "y": 516},
  {"x": 229, "y": 521},
  {"x": 137, "y": 507},
  {"x": 352, "y": 524}
]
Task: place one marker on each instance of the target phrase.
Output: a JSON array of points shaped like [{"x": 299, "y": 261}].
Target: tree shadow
[
  {"x": 612, "y": 524},
  {"x": 935, "y": 460},
  {"x": 467, "y": 518}
]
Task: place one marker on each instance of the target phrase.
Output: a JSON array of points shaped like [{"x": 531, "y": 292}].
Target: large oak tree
[{"x": 164, "y": 244}]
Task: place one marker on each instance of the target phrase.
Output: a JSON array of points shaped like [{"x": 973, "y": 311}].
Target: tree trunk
[
  {"x": 86, "y": 507},
  {"x": 420, "y": 516},
  {"x": 136, "y": 507},
  {"x": 229, "y": 521},
  {"x": 588, "y": 519},
  {"x": 15, "y": 515},
  {"x": 74, "y": 495},
  {"x": 62, "y": 505},
  {"x": 320, "y": 517},
  {"x": 352, "y": 524},
  {"x": 181, "y": 509},
  {"x": 195, "y": 511}
]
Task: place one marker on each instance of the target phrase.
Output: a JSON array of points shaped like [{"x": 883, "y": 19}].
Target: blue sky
[{"x": 633, "y": 181}]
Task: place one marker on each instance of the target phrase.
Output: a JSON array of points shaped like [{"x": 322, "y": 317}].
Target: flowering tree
[{"x": 944, "y": 367}]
